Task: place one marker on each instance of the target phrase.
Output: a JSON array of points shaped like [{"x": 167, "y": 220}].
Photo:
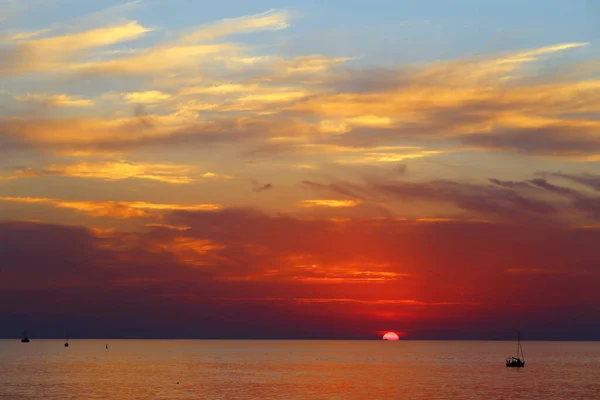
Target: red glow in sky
[{"x": 205, "y": 180}]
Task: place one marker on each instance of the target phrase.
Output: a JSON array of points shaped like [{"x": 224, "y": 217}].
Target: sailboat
[
  {"x": 519, "y": 360},
  {"x": 25, "y": 337},
  {"x": 67, "y": 341}
]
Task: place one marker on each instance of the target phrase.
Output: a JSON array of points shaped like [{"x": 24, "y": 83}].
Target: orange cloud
[
  {"x": 124, "y": 170},
  {"x": 190, "y": 251},
  {"x": 329, "y": 203},
  {"x": 113, "y": 171},
  {"x": 213, "y": 176},
  {"x": 113, "y": 209}
]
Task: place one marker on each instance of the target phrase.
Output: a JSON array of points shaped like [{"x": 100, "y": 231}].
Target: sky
[{"x": 315, "y": 169}]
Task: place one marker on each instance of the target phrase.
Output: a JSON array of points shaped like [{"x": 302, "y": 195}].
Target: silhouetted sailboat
[
  {"x": 67, "y": 341},
  {"x": 25, "y": 337},
  {"x": 519, "y": 360}
]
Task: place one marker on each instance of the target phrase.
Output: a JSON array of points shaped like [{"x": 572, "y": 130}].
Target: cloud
[
  {"x": 63, "y": 53},
  {"x": 329, "y": 203},
  {"x": 344, "y": 188},
  {"x": 590, "y": 180},
  {"x": 544, "y": 184},
  {"x": 183, "y": 55},
  {"x": 29, "y": 35},
  {"x": 147, "y": 97},
  {"x": 487, "y": 103},
  {"x": 112, "y": 209},
  {"x": 285, "y": 269},
  {"x": 309, "y": 64},
  {"x": 563, "y": 140},
  {"x": 205, "y": 86},
  {"x": 511, "y": 184},
  {"x": 51, "y": 53},
  {"x": 257, "y": 187},
  {"x": 58, "y": 100},
  {"x": 271, "y": 20},
  {"x": 141, "y": 131},
  {"x": 158, "y": 60},
  {"x": 503, "y": 202},
  {"x": 112, "y": 171},
  {"x": 213, "y": 176}
]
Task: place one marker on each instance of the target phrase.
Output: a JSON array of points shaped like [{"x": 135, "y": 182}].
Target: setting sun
[{"x": 391, "y": 336}]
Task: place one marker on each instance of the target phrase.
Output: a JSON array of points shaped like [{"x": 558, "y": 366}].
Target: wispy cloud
[
  {"x": 111, "y": 171},
  {"x": 258, "y": 187},
  {"x": 271, "y": 20},
  {"x": 59, "y": 100},
  {"x": 114, "y": 209},
  {"x": 52, "y": 53},
  {"x": 329, "y": 203}
]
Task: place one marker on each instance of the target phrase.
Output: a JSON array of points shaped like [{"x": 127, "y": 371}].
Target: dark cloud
[
  {"x": 142, "y": 115},
  {"x": 348, "y": 189},
  {"x": 590, "y": 180},
  {"x": 264, "y": 276},
  {"x": 511, "y": 184},
  {"x": 588, "y": 205},
  {"x": 257, "y": 187},
  {"x": 544, "y": 184},
  {"x": 501, "y": 203},
  {"x": 559, "y": 140},
  {"x": 582, "y": 202}
]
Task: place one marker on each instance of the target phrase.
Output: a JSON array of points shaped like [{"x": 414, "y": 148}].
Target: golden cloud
[
  {"x": 161, "y": 59},
  {"x": 329, "y": 203},
  {"x": 59, "y": 100},
  {"x": 442, "y": 87},
  {"x": 113, "y": 209},
  {"x": 125, "y": 170},
  {"x": 112, "y": 171},
  {"x": 147, "y": 97},
  {"x": 50, "y": 54},
  {"x": 270, "y": 20},
  {"x": 59, "y": 46},
  {"x": 300, "y": 104},
  {"x": 213, "y": 176}
]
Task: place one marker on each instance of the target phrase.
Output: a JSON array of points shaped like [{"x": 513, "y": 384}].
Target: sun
[{"x": 391, "y": 336}]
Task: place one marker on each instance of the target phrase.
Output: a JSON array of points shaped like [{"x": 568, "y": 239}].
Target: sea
[{"x": 289, "y": 369}]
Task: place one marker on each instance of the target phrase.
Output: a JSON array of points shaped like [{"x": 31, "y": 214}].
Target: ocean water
[{"x": 229, "y": 369}]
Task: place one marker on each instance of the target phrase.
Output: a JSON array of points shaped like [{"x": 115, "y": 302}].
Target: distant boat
[
  {"x": 519, "y": 360},
  {"x": 67, "y": 341},
  {"x": 25, "y": 337}
]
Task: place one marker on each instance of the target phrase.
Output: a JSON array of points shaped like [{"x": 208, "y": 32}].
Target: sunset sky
[{"x": 303, "y": 169}]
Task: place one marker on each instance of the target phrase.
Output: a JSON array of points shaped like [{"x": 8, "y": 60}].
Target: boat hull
[{"x": 515, "y": 363}]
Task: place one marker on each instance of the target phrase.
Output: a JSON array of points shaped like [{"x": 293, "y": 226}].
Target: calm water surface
[{"x": 213, "y": 369}]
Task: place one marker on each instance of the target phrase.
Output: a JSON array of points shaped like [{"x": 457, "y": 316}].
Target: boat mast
[{"x": 519, "y": 347}]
